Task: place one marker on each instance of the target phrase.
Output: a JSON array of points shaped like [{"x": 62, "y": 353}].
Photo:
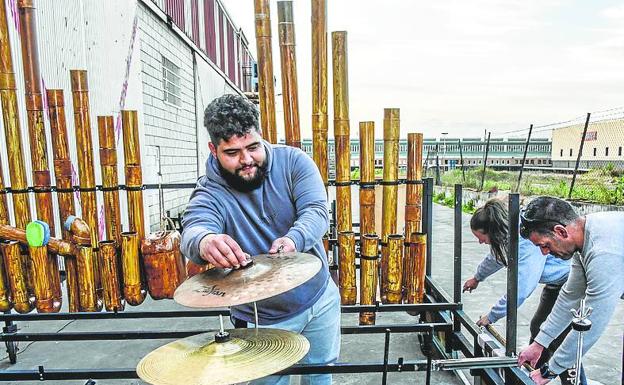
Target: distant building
[{"x": 603, "y": 145}]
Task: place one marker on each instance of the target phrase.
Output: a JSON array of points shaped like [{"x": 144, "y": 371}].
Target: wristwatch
[{"x": 545, "y": 372}]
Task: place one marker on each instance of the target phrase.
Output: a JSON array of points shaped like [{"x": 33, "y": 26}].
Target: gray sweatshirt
[{"x": 596, "y": 274}]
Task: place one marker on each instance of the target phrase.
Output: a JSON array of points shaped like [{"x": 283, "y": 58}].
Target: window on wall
[
  {"x": 606, "y": 151},
  {"x": 620, "y": 151},
  {"x": 594, "y": 151},
  {"x": 570, "y": 152},
  {"x": 172, "y": 90},
  {"x": 561, "y": 153}
]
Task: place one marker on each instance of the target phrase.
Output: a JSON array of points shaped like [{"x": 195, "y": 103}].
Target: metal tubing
[
  {"x": 346, "y": 271},
  {"x": 428, "y": 223},
  {"x": 288, "y": 59},
  {"x": 413, "y": 208},
  {"x": 384, "y": 376},
  {"x": 134, "y": 291},
  {"x": 265, "y": 70},
  {"x": 526, "y": 147},
  {"x": 134, "y": 177},
  {"x": 111, "y": 273},
  {"x": 89, "y": 300},
  {"x": 367, "y": 177},
  {"x": 487, "y": 150},
  {"x": 417, "y": 250},
  {"x": 110, "y": 180},
  {"x": 63, "y": 176},
  {"x": 86, "y": 172},
  {"x": 457, "y": 254},
  {"x": 342, "y": 130},
  {"x": 512, "y": 275},
  {"x": 319, "y": 87},
  {"x": 580, "y": 153},
  {"x": 369, "y": 263}
]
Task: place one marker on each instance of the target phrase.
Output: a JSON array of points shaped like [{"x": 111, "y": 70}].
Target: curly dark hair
[
  {"x": 230, "y": 115},
  {"x": 491, "y": 219}
]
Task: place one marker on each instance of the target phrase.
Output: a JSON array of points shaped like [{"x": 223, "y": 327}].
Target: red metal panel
[
  {"x": 175, "y": 9},
  {"x": 221, "y": 40},
  {"x": 209, "y": 27},
  {"x": 231, "y": 57},
  {"x": 195, "y": 21}
]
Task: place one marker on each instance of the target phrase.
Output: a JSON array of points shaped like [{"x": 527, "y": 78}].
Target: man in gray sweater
[
  {"x": 258, "y": 198},
  {"x": 595, "y": 243}
]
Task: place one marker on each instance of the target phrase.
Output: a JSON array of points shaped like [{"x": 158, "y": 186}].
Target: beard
[{"x": 241, "y": 184}]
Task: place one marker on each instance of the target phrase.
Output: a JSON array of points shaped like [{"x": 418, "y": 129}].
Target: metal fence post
[
  {"x": 512, "y": 275},
  {"x": 526, "y": 147},
  {"x": 438, "y": 182},
  {"x": 457, "y": 255},
  {"x": 487, "y": 150},
  {"x": 580, "y": 153},
  {"x": 461, "y": 160}
]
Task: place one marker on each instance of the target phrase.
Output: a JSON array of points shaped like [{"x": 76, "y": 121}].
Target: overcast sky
[{"x": 462, "y": 66}]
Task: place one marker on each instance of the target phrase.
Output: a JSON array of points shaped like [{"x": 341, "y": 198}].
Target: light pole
[{"x": 444, "y": 134}]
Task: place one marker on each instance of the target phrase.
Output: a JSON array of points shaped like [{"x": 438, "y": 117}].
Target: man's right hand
[
  {"x": 470, "y": 285},
  {"x": 531, "y": 354},
  {"x": 222, "y": 251}
]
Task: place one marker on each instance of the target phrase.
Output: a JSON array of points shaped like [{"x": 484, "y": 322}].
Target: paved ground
[{"x": 603, "y": 362}]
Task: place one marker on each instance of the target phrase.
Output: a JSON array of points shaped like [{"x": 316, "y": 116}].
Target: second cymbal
[{"x": 268, "y": 276}]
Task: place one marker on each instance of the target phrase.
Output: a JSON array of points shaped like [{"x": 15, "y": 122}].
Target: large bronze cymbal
[
  {"x": 200, "y": 360},
  {"x": 268, "y": 276}
]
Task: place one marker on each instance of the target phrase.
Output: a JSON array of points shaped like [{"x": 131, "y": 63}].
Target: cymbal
[
  {"x": 268, "y": 276},
  {"x": 200, "y": 360}
]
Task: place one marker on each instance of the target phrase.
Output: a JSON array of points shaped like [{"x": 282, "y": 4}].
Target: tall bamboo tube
[
  {"x": 367, "y": 177},
  {"x": 319, "y": 87},
  {"x": 413, "y": 198},
  {"x": 346, "y": 270},
  {"x": 5, "y": 290},
  {"x": 342, "y": 130},
  {"x": 369, "y": 262},
  {"x": 110, "y": 181},
  {"x": 394, "y": 273},
  {"x": 288, "y": 60},
  {"x": 265, "y": 68},
  {"x": 89, "y": 300},
  {"x": 113, "y": 296},
  {"x": 12, "y": 254},
  {"x": 43, "y": 289},
  {"x": 390, "y": 187},
  {"x": 132, "y": 280},
  {"x": 84, "y": 144},
  {"x": 418, "y": 250},
  {"x": 134, "y": 178},
  {"x": 63, "y": 176}
]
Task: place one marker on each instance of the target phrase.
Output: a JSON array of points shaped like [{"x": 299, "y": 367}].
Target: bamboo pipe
[
  {"x": 346, "y": 270},
  {"x": 110, "y": 181},
  {"x": 418, "y": 249},
  {"x": 64, "y": 193},
  {"x": 84, "y": 144},
  {"x": 342, "y": 130},
  {"x": 288, "y": 60},
  {"x": 134, "y": 178},
  {"x": 89, "y": 300},
  {"x": 265, "y": 68},
  {"x": 5, "y": 289},
  {"x": 394, "y": 273},
  {"x": 319, "y": 87},
  {"x": 38, "y": 236},
  {"x": 12, "y": 254},
  {"x": 113, "y": 296},
  {"x": 369, "y": 258},
  {"x": 132, "y": 280},
  {"x": 389, "y": 201},
  {"x": 413, "y": 198},
  {"x": 10, "y": 115},
  {"x": 164, "y": 263},
  {"x": 367, "y": 177}
]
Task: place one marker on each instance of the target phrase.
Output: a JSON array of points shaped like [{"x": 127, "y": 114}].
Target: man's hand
[
  {"x": 536, "y": 376},
  {"x": 470, "y": 285},
  {"x": 531, "y": 355},
  {"x": 483, "y": 321},
  {"x": 222, "y": 251},
  {"x": 287, "y": 245}
]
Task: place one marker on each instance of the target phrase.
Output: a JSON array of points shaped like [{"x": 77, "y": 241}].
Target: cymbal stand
[
  {"x": 255, "y": 315},
  {"x": 581, "y": 324}
]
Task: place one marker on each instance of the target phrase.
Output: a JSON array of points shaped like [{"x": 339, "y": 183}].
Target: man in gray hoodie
[
  {"x": 595, "y": 243},
  {"x": 257, "y": 198}
]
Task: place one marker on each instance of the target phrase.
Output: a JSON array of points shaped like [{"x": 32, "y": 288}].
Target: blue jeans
[{"x": 320, "y": 324}]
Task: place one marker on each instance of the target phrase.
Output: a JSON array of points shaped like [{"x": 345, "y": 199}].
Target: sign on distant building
[{"x": 591, "y": 135}]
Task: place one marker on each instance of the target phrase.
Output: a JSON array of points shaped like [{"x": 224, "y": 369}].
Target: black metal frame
[{"x": 443, "y": 335}]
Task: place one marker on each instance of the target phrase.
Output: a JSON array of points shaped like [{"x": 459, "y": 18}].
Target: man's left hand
[
  {"x": 536, "y": 376},
  {"x": 287, "y": 245},
  {"x": 483, "y": 321}
]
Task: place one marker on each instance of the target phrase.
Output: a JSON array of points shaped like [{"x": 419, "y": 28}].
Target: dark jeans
[{"x": 547, "y": 301}]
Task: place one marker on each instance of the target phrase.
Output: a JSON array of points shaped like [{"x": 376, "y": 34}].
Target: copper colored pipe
[
  {"x": 265, "y": 68},
  {"x": 367, "y": 177},
  {"x": 89, "y": 301},
  {"x": 134, "y": 177},
  {"x": 394, "y": 266},
  {"x": 369, "y": 262},
  {"x": 132, "y": 279},
  {"x": 113, "y": 296},
  {"x": 84, "y": 144},
  {"x": 320, "y": 125},
  {"x": 45, "y": 301},
  {"x": 288, "y": 59},
  {"x": 346, "y": 270},
  {"x": 164, "y": 263},
  {"x": 5, "y": 289},
  {"x": 413, "y": 197},
  {"x": 110, "y": 181},
  {"x": 390, "y": 194},
  {"x": 12, "y": 254},
  {"x": 418, "y": 249},
  {"x": 63, "y": 176}
]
